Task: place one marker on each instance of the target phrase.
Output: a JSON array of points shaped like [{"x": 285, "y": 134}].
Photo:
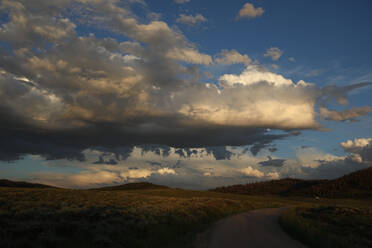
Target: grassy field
[
  {"x": 329, "y": 226},
  {"x": 128, "y": 216},
  {"x": 32, "y": 217}
]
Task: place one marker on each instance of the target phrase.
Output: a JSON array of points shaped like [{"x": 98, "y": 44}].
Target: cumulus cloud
[
  {"x": 345, "y": 115},
  {"x": 360, "y": 148},
  {"x": 273, "y": 175},
  {"x": 190, "y": 19},
  {"x": 164, "y": 171},
  {"x": 312, "y": 163},
  {"x": 62, "y": 92},
  {"x": 274, "y": 53},
  {"x": 249, "y": 171},
  {"x": 249, "y": 11},
  {"x": 227, "y": 57},
  {"x": 311, "y": 157},
  {"x": 199, "y": 169}
]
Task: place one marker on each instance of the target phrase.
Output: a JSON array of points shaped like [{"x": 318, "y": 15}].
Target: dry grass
[
  {"x": 330, "y": 226},
  {"x": 94, "y": 218}
]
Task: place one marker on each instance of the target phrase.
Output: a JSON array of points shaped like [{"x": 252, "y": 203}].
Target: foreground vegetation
[
  {"x": 330, "y": 226},
  {"x": 50, "y": 217},
  {"x": 147, "y": 215}
]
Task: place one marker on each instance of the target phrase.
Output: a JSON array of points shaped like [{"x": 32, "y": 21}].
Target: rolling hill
[
  {"x": 133, "y": 186},
  {"x": 16, "y": 184},
  {"x": 355, "y": 185}
]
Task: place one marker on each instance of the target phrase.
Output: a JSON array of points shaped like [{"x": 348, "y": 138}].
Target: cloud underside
[
  {"x": 201, "y": 167},
  {"x": 62, "y": 92}
]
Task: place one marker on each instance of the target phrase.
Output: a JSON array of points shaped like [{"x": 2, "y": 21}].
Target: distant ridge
[
  {"x": 134, "y": 186},
  {"x": 286, "y": 186},
  {"x": 16, "y": 184},
  {"x": 357, "y": 185}
]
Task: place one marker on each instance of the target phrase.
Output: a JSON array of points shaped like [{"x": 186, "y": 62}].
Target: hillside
[
  {"x": 133, "y": 186},
  {"x": 285, "y": 186},
  {"x": 357, "y": 184},
  {"x": 15, "y": 184}
]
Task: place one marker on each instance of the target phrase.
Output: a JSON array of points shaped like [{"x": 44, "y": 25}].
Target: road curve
[{"x": 258, "y": 228}]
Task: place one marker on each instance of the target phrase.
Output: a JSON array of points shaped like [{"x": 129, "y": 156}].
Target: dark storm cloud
[
  {"x": 102, "y": 160},
  {"x": 219, "y": 152},
  {"x": 61, "y": 93},
  {"x": 273, "y": 162},
  {"x": 273, "y": 149},
  {"x": 265, "y": 142}
]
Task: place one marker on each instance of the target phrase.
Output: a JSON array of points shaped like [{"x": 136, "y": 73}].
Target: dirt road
[{"x": 258, "y": 228}]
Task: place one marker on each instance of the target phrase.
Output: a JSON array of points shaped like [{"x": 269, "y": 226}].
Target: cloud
[
  {"x": 273, "y": 162},
  {"x": 249, "y": 11},
  {"x": 332, "y": 169},
  {"x": 227, "y": 57},
  {"x": 273, "y": 52},
  {"x": 345, "y": 115},
  {"x": 360, "y": 148},
  {"x": 181, "y": 1},
  {"x": 275, "y": 66},
  {"x": 339, "y": 93},
  {"x": 273, "y": 175},
  {"x": 189, "y": 55},
  {"x": 197, "y": 169},
  {"x": 249, "y": 171},
  {"x": 190, "y": 19},
  {"x": 356, "y": 143},
  {"x": 312, "y": 163},
  {"x": 164, "y": 171},
  {"x": 64, "y": 92},
  {"x": 311, "y": 157}
]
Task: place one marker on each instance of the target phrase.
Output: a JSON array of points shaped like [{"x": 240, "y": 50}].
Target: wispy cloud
[
  {"x": 181, "y": 1},
  {"x": 274, "y": 53},
  {"x": 228, "y": 57},
  {"x": 191, "y": 19}
]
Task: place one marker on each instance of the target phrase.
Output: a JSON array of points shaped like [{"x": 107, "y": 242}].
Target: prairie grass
[
  {"x": 327, "y": 226},
  {"x": 94, "y": 218},
  {"x": 160, "y": 217}
]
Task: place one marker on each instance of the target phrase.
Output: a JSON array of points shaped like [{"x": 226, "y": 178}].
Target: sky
[{"x": 184, "y": 93}]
